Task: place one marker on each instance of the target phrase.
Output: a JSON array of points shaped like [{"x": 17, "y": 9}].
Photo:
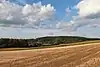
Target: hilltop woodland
[{"x": 43, "y": 41}]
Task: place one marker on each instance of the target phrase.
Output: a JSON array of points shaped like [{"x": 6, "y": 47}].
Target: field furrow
[{"x": 70, "y": 56}]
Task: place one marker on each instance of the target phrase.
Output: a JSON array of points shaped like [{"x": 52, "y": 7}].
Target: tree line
[{"x": 43, "y": 41}]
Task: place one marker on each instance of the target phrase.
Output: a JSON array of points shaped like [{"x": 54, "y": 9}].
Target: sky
[{"x": 39, "y": 18}]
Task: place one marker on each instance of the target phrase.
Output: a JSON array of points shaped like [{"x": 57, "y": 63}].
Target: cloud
[
  {"x": 88, "y": 7},
  {"x": 68, "y": 11},
  {"x": 88, "y": 15},
  {"x": 22, "y": 2},
  {"x": 24, "y": 16},
  {"x": 9, "y": 32}
]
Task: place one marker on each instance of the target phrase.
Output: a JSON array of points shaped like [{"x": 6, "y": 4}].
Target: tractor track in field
[{"x": 69, "y": 56}]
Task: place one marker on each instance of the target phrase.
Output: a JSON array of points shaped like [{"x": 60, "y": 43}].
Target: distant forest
[{"x": 42, "y": 41}]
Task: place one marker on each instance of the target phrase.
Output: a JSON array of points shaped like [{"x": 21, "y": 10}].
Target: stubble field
[{"x": 70, "y": 56}]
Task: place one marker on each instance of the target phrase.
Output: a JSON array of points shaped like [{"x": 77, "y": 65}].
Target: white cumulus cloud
[
  {"x": 88, "y": 7},
  {"x": 88, "y": 15},
  {"x": 24, "y": 16}
]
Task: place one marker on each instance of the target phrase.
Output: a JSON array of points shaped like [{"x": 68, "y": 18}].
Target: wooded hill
[{"x": 42, "y": 41}]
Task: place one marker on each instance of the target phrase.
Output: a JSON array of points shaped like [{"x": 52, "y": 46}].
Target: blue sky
[
  {"x": 60, "y": 6},
  {"x": 36, "y": 18}
]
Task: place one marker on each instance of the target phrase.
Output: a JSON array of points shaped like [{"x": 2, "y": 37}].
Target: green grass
[{"x": 50, "y": 46}]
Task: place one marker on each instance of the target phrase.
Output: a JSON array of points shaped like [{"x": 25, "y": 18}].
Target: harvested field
[{"x": 69, "y": 56}]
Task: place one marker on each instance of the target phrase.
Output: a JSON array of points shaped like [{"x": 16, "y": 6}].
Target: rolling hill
[{"x": 42, "y": 41}]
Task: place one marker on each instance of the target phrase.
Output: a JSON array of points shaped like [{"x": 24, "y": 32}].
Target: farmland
[{"x": 87, "y": 55}]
